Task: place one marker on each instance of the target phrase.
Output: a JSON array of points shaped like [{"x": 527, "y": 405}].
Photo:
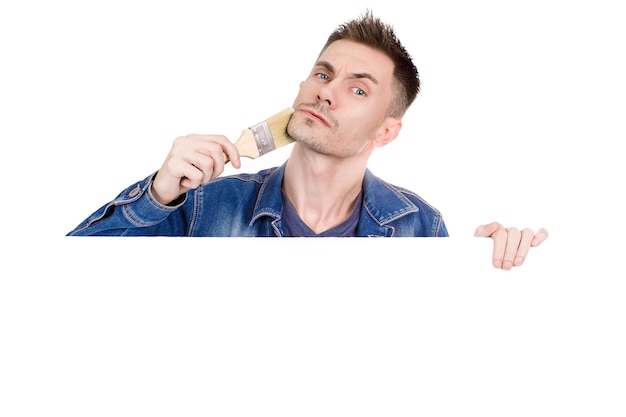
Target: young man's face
[{"x": 341, "y": 106}]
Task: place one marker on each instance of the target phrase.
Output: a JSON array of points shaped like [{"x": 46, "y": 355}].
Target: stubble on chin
[{"x": 302, "y": 132}]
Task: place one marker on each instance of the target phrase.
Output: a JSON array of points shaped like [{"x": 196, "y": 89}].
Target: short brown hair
[{"x": 371, "y": 31}]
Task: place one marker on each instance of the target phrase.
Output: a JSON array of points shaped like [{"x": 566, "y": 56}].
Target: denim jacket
[{"x": 251, "y": 205}]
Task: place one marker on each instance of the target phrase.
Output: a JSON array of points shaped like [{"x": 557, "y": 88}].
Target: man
[{"x": 351, "y": 103}]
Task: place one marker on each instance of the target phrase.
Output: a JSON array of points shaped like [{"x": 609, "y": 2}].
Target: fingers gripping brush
[{"x": 266, "y": 136}]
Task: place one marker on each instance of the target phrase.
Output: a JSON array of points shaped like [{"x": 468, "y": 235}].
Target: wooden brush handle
[{"x": 246, "y": 145}]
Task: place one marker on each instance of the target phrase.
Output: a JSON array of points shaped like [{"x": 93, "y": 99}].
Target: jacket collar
[
  {"x": 383, "y": 202},
  {"x": 269, "y": 200}
]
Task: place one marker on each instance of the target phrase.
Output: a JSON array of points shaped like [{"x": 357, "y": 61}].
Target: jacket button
[{"x": 135, "y": 191}]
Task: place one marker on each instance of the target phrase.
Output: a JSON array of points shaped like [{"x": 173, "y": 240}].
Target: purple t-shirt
[{"x": 295, "y": 227}]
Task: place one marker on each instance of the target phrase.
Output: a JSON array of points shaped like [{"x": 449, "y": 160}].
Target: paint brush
[{"x": 266, "y": 136}]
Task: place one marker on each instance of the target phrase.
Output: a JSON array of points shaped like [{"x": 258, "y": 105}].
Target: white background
[{"x": 520, "y": 120}]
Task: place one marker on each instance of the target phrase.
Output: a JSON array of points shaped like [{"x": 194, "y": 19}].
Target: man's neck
[{"x": 322, "y": 189}]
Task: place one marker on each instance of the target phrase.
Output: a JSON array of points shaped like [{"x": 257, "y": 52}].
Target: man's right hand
[{"x": 193, "y": 160}]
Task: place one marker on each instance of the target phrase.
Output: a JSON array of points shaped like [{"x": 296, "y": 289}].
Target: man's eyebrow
[
  {"x": 331, "y": 69},
  {"x": 326, "y": 65},
  {"x": 365, "y": 75}
]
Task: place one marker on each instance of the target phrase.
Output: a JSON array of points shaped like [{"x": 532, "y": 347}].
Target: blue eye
[
  {"x": 323, "y": 76},
  {"x": 359, "y": 92}
]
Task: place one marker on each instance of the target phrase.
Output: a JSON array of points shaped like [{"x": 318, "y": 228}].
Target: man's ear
[{"x": 389, "y": 130}]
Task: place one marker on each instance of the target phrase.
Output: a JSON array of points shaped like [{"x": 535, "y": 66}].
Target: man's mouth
[{"x": 312, "y": 114}]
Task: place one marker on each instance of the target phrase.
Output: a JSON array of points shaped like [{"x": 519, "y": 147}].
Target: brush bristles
[
  {"x": 266, "y": 136},
  {"x": 278, "y": 127}
]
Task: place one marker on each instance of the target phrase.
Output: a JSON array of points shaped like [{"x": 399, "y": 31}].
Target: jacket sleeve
[{"x": 134, "y": 212}]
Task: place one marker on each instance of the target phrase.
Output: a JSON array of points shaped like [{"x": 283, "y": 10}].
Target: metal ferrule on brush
[{"x": 263, "y": 138}]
